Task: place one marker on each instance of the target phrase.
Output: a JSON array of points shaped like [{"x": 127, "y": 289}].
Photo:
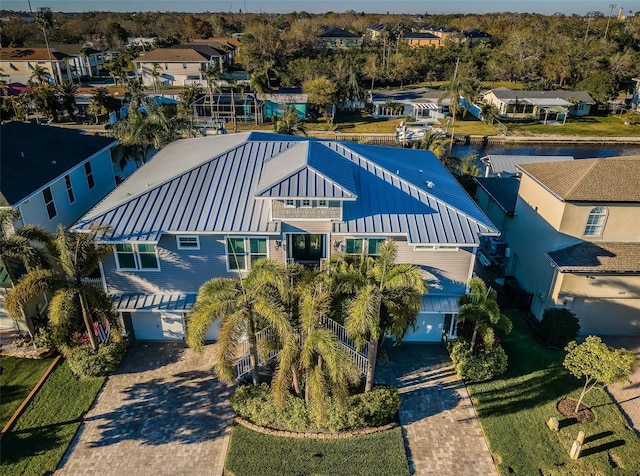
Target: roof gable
[
  {"x": 614, "y": 179},
  {"x": 308, "y": 169}
]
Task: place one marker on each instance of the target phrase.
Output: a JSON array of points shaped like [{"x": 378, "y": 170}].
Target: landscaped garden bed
[{"x": 514, "y": 408}]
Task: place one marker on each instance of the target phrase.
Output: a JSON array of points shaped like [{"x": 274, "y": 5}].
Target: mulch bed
[{"x": 567, "y": 407}]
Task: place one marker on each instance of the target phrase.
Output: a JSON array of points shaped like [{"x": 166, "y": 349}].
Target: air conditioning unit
[{"x": 493, "y": 246}]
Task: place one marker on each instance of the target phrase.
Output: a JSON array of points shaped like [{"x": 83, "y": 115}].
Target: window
[
  {"x": 188, "y": 242},
  {"x": 142, "y": 256},
  {"x": 67, "y": 182},
  {"x": 323, "y": 204},
  {"x": 290, "y": 204},
  {"x": 354, "y": 246},
  {"x": 595, "y": 222},
  {"x": 374, "y": 246},
  {"x": 89, "y": 173},
  {"x": 435, "y": 248},
  {"x": 49, "y": 203},
  {"x": 241, "y": 251},
  {"x": 305, "y": 203},
  {"x": 364, "y": 246}
]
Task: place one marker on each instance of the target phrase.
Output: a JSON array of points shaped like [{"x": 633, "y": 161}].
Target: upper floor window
[
  {"x": 323, "y": 204},
  {"x": 140, "y": 256},
  {"x": 49, "y": 203},
  {"x": 595, "y": 222},
  {"x": 67, "y": 182},
  {"x": 243, "y": 251},
  {"x": 290, "y": 204},
  {"x": 305, "y": 203},
  {"x": 188, "y": 242},
  {"x": 89, "y": 173}
]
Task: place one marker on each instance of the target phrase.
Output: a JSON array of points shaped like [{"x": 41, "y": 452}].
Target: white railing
[
  {"x": 94, "y": 281},
  {"x": 360, "y": 357}
]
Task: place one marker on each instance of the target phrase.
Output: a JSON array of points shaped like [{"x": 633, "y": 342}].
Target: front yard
[
  {"x": 513, "y": 411},
  {"x": 40, "y": 437}
]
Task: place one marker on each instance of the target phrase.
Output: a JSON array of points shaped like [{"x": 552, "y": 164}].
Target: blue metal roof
[{"x": 396, "y": 191}]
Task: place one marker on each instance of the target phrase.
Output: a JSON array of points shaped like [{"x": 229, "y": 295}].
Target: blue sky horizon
[{"x": 547, "y": 7}]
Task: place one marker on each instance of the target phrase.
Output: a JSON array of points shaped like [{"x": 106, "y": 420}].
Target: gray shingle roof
[
  {"x": 606, "y": 257},
  {"x": 507, "y": 95},
  {"x": 335, "y": 32},
  {"x": 212, "y": 183},
  {"x": 41, "y": 153},
  {"x": 614, "y": 179}
]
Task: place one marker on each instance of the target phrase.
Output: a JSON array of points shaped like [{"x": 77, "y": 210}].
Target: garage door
[
  {"x": 429, "y": 328},
  {"x": 157, "y": 325},
  {"x": 608, "y": 316}
]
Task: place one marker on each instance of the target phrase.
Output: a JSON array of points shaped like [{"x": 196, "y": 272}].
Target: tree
[
  {"x": 44, "y": 19},
  {"x": 243, "y": 307},
  {"x": 434, "y": 141},
  {"x": 156, "y": 74},
  {"x": 458, "y": 87},
  {"x": 601, "y": 85},
  {"x": 599, "y": 364},
  {"x": 187, "y": 97},
  {"x": 26, "y": 245},
  {"x": 67, "y": 91},
  {"x": 212, "y": 75},
  {"x": 45, "y": 101},
  {"x": 102, "y": 102},
  {"x": 479, "y": 307},
  {"x": 322, "y": 93},
  {"x": 316, "y": 352},
  {"x": 289, "y": 123},
  {"x": 39, "y": 75},
  {"x": 74, "y": 303},
  {"x": 489, "y": 113},
  {"x": 371, "y": 68},
  {"x": 387, "y": 298}
]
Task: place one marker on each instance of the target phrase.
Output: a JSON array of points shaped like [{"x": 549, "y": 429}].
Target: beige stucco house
[
  {"x": 17, "y": 64},
  {"x": 574, "y": 240}
]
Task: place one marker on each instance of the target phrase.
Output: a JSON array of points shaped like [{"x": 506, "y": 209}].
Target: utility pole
[
  {"x": 606, "y": 31},
  {"x": 589, "y": 16}
]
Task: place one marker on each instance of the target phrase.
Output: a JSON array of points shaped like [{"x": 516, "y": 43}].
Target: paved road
[
  {"x": 162, "y": 413},
  {"x": 442, "y": 432}
]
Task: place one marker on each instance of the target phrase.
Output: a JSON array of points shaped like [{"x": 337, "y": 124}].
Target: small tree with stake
[{"x": 598, "y": 363}]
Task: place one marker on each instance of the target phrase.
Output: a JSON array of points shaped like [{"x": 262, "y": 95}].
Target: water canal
[{"x": 578, "y": 151}]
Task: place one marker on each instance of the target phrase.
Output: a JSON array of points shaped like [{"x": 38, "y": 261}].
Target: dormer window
[
  {"x": 595, "y": 222},
  {"x": 305, "y": 203},
  {"x": 290, "y": 204}
]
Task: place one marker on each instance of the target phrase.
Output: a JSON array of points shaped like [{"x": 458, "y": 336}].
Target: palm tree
[
  {"x": 259, "y": 83},
  {"x": 211, "y": 75},
  {"x": 74, "y": 303},
  {"x": 243, "y": 307},
  {"x": 102, "y": 102},
  {"x": 458, "y": 87},
  {"x": 289, "y": 123},
  {"x": 29, "y": 245},
  {"x": 479, "y": 307},
  {"x": 187, "y": 97},
  {"x": 388, "y": 297},
  {"x": 371, "y": 68},
  {"x": 44, "y": 19},
  {"x": 67, "y": 91},
  {"x": 434, "y": 141},
  {"x": 39, "y": 75},
  {"x": 489, "y": 113},
  {"x": 155, "y": 78}
]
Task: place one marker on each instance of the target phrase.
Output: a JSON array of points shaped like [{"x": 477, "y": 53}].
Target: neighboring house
[
  {"x": 539, "y": 104},
  {"x": 145, "y": 42},
  {"x": 417, "y": 39},
  {"x": 374, "y": 32},
  {"x": 52, "y": 176},
  {"x": 475, "y": 37},
  {"x": 575, "y": 241},
  {"x": 278, "y": 100},
  {"x": 209, "y": 207},
  {"x": 229, "y": 45},
  {"x": 82, "y": 61},
  {"x": 18, "y": 63},
  {"x": 422, "y": 104},
  {"x": 179, "y": 65},
  {"x": 441, "y": 32},
  {"x": 337, "y": 38}
]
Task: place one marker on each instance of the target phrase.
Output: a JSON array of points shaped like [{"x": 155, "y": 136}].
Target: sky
[{"x": 547, "y": 7}]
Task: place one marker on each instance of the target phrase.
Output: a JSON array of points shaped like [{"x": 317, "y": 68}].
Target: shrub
[
  {"x": 374, "y": 408},
  {"x": 477, "y": 367},
  {"x": 559, "y": 327},
  {"x": 85, "y": 363}
]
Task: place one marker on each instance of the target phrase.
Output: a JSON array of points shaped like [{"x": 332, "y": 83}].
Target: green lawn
[
  {"x": 513, "y": 411},
  {"x": 252, "y": 453},
  {"x": 585, "y": 126},
  {"x": 18, "y": 377},
  {"x": 42, "y": 434}
]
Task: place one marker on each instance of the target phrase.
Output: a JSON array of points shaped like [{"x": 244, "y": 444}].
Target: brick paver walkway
[
  {"x": 627, "y": 394},
  {"x": 442, "y": 433},
  {"x": 162, "y": 413}
]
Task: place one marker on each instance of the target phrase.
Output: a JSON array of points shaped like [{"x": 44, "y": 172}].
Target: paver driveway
[
  {"x": 442, "y": 432},
  {"x": 162, "y": 413}
]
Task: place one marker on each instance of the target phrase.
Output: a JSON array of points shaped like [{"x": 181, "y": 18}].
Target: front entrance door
[{"x": 307, "y": 249}]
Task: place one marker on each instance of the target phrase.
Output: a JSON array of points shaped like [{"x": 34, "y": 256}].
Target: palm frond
[
  {"x": 232, "y": 329},
  {"x": 34, "y": 283}
]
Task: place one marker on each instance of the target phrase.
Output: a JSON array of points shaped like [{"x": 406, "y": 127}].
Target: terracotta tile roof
[
  {"x": 606, "y": 257},
  {"x": 615, "y": 179},
  {"x": 29, "y": 54},
  {"x": 180, "y": 53}
]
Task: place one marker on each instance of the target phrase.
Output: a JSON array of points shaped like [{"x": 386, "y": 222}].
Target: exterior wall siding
[
  {"x": 600, "y": 286},
  {"x": 35, "y": 211},
  {"x": 622, "y": 222},
  {"x": 279, "y": 211}
]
